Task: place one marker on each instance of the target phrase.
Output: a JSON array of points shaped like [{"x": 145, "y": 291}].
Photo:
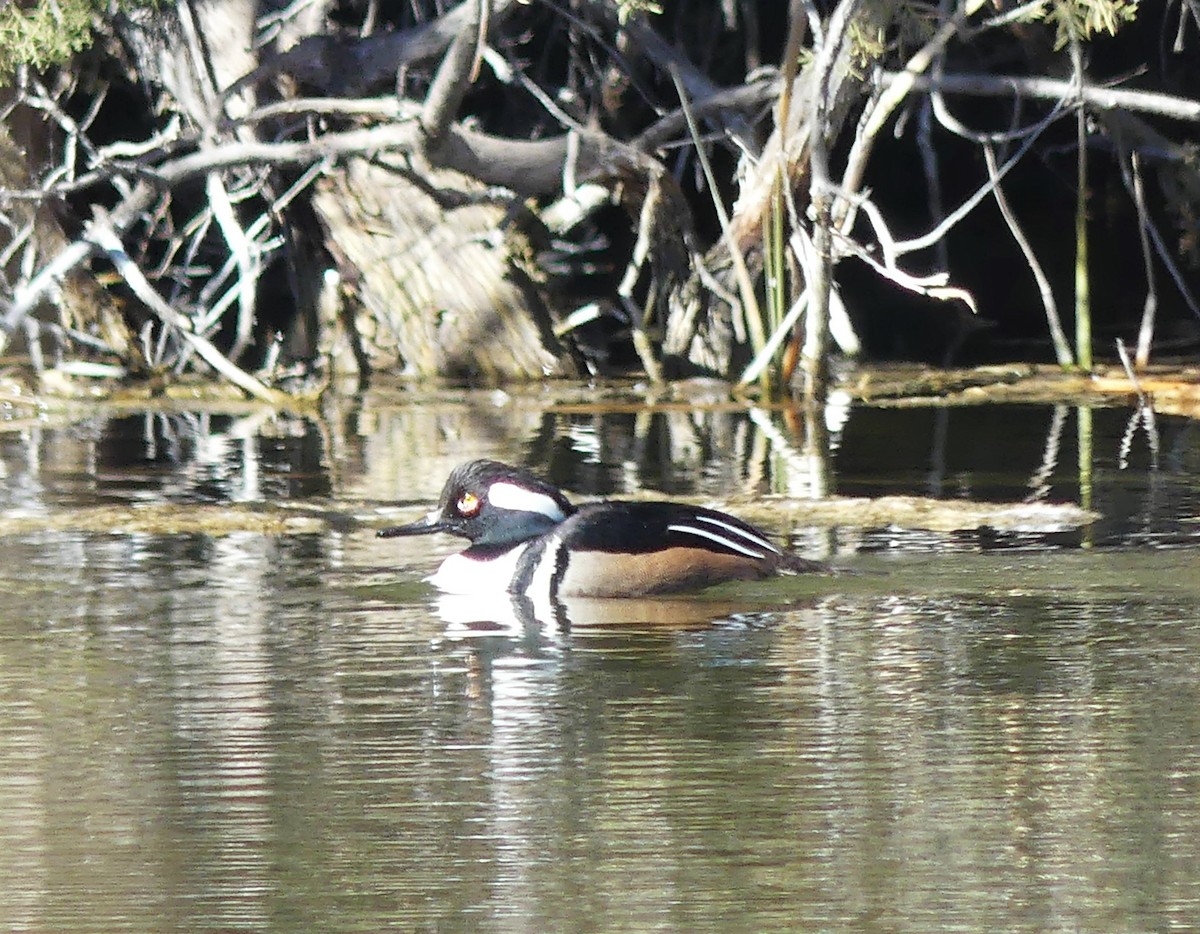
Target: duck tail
[{"x": 794, "y": 564}]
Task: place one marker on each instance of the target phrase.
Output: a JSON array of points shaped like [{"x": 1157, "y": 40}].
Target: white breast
[{"x": 462, "y": 575}]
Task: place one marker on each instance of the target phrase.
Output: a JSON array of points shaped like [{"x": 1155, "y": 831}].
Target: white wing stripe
[
  {"x": 749, "y": 536},
  {"x": 719, "y": 539}
]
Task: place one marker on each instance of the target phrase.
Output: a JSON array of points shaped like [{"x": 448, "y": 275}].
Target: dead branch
[
  {"x": 1151, "y": 103},
  {"x": 351, "y": 67},
  {"x": 101, "y": 233},
  {"x": 452, "y": 79},
  {"x": 206, "y": 246},
  {"x": 1062, "y": 350}
]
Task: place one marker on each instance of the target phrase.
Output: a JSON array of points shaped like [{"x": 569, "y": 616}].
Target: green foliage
[
  {"x": 1082, "y": 19},
  {"x": 44, "y": 33},
  {"x": 48, "y": 32},
  {"x": 867, "y": 45},
  {"x": 628, "y": 8}
]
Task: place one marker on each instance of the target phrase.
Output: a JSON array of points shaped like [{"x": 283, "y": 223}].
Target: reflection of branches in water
[
  {"x": 803, "y": 471},
  {"x": 1143, "y": 416},
  {"x": 722, "y": 450},
  {"x": 1039, "y": 483}
]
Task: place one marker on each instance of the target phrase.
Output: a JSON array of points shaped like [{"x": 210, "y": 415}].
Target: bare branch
[
  {"x": 814, "y": 355},
  {"x": 896, "y": 86},
  {"x": 749, "y": 301},
  {"x": 1096, "y": 98},
  {"x": 1146, "y": 331},
  {"x": 452, "y": 79},
  {"x": 353, "y": 67},
  {"x": 919, "y": 243},
  {"x": 1062, "y": 350},
  {"x": 100, "y": 232}
]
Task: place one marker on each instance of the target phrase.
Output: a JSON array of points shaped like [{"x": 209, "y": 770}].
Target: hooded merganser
[{"x": 528, "y": 539}]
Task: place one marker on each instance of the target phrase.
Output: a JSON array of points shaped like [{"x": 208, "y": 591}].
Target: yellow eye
[{"x": 468, "y": 504}]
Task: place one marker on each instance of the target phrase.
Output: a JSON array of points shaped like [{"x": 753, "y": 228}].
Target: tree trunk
[{"x": 439, "y": 291}]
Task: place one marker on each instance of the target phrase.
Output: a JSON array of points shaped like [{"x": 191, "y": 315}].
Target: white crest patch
[{"x": 518, "y": 499}]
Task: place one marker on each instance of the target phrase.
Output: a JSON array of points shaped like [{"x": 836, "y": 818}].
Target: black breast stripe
[
  {"x": 561, "y": 557},
  {"x": 526, "y": 566},
  {"x": 546, "y": 548}
]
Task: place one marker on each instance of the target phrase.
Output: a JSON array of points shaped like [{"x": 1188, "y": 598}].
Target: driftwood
[
  {"x": 1168, "y": 390},
  {"x": 439, "y": 244},
  {"x": 897, "y": 512}
]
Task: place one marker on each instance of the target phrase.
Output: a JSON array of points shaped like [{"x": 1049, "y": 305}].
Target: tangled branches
[{"x": 435, "y": 198}]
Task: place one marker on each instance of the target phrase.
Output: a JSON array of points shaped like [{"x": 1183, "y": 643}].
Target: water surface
[{"x": 285, "y": 732}]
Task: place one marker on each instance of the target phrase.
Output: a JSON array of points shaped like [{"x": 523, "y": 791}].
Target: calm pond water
[{"x": 978, "y": 731}]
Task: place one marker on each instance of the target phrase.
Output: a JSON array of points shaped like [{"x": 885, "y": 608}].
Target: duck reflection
[{"x": 519, "y": 617}]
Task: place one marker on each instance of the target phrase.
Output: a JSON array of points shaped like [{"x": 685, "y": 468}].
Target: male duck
[{"x": 528, "y": 539}]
